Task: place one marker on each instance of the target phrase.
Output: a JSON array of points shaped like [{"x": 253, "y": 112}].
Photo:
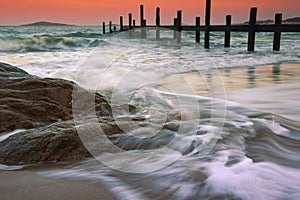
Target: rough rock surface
[
  {"x": 56, "y": 142},
  {"x": 45, "y": 107},
  {"x": 7, "y": 70},
  {"x": 29, "y": 102}
]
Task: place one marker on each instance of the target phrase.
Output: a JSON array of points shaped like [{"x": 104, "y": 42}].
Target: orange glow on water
[{"x": 93, "y": 12}]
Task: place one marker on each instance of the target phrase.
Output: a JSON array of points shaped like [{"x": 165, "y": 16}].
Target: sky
[{"x": 94, "y": 12}]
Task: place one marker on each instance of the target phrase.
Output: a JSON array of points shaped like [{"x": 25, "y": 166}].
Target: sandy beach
[{"x": 30, "y": 185}]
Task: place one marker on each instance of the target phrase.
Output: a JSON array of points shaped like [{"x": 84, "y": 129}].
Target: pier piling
[
  {"x": 142, "y": 22},
  {"x": 198, "y": 29},
  {"x": 174, "y": 28},
  {"x": 207, "y": 23},
  {"x": 277, "y": 33},
  {"x": 227, "y": 32},
  {"x": 110, "y": 27},
  {"x": 251, "y": 33},
  {"x": 178, "y": 26},
  {"x": 130, "y": 20},
  {"x": 121, "y": 23},
  {"x": 157, "y": 23},
  {"x": 130, "y": 25},
  {"x": 103, "y": 27}
]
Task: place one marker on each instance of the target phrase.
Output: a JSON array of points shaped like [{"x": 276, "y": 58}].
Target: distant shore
[
  {"x": 294, "y": 20},
  {"x": 44, "y": 23}
]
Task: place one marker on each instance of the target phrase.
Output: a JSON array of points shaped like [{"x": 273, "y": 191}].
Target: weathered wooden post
[
  {"x": 130, "y": 25},
  {"x": 227, "y": 32},
  {"x": 142, "y": 22},
  {"x": 207, "y": 23},
  {"x": 133, "y": 23},
  {"x": 121, "y": 23},
  {"x": 103, "y": 24},
  {"x": 198, "y": 29},
  {"x": 141, "y": 14},
  {"x": 130, "y": 21},
  {"x": 251, "y": 34},
  {"x": 157, "y": 23},
  {"x": 175, "y": 24},
  {"x": 277, "y": 33},
  {"x": 110, "y": 27},
  {"x": 179, "y": 26}
]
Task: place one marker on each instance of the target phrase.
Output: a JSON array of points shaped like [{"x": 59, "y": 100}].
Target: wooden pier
[{"x": 252, "y": 28}]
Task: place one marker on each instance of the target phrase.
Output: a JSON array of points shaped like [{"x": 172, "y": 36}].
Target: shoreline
[
  {"x": 27, "y": 184},
  {"x": 264, "y": 87}
]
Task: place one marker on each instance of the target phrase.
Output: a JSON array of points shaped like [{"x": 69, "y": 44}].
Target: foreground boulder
[
  {"x": 29, "y": 102},
  {"x": 63, "y": 141},
  {"x": 56, "y": 142},
  {"x": 10, "y": 71},
  {"x": 46, "y": 108}
]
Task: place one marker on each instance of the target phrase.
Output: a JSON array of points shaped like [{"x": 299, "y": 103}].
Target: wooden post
[
  {"x": 141, "y": 14},
  {"x": 143, "y": 22},
  {"x": 103, "y": 27},
  {"x": 251, "y": 34},
  {"x": 133, "y": 22},
  {"x": 144, "y": 34},
  {"x": 197, "y": 31},
  {"x": 121, "y": 23},
  {"x": 178, "y": 26},
  {"x": 110, "y": 27},
  {"x": 130, "y": 21},
  {"x": 175, "y": 24},
  {"x": 207, "y": 23},
  {"x": 277, "y": 33},
  {"x": 227, "y": 33},
  {"x": 157, "y": 23},
  {"x": 130, "y": 25}
]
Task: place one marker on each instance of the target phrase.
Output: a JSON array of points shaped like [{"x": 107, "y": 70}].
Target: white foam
[
  {"x": 248, "y": 180},
  {"x": 115, "y": 79},
  {"x": 4, "y": 136},
  {"x": 10, "y": 168}
]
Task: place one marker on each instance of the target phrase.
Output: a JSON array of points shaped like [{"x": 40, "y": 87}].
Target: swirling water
[{"x": 219, "y": 123}]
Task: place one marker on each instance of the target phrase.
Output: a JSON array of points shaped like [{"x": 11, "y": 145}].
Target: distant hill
[
  {"x": 267, "y": 21},
  {"x": 45, "y": 24},
  {"x": 293, "y": 20}
]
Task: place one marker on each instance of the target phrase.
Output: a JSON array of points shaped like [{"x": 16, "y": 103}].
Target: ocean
[{"x": 225, "y": 123}]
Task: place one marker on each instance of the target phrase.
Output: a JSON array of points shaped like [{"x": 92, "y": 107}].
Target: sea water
[{"x": 217, "y": 124}]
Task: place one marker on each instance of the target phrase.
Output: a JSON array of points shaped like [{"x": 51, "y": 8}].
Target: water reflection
[
  {"x": 235, "y": 78},
  {"x": 251, "y": 76},
  {"x": 276, "y": 73}
]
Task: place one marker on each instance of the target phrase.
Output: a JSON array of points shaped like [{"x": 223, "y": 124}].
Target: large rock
[
  {"x": 11, "y": 71},
  {"x": 64, "y": 141},
  {"x": 29, "y": 102},
  {"x": 57, "y": 142},
  {"x": 47, "y": 108}
]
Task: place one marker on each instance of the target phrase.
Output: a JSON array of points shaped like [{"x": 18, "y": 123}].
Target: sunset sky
[{"x": 93, "y": 12}]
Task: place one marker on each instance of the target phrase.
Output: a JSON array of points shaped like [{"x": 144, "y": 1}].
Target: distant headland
[
  {"x": 295, "y": 20},
  {"x": 44, "y": 23}
]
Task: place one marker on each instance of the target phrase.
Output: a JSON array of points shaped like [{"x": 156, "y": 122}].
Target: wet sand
[
  {"x": 273, "y": 88},
  {"x": 29, "y": 185}
]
